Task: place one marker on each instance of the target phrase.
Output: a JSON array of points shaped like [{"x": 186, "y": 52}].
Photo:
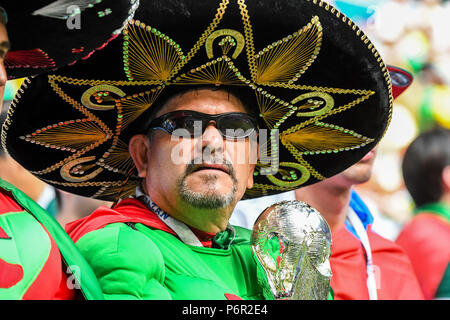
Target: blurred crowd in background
[{"x": 411, "y": 34}]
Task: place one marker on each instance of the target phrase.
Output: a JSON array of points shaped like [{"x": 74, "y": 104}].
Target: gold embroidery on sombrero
[
  {"x": 149, "y": 54},
  {"x": 290, "y": 177},
  {"x": 121, "y": 190},
  {"x": 84, "y": 184},
  {"x": 363, "y": 37},
  {"x": 322, "y": 138},
  {"x": 94, "y": 133},
  {"x": 89, "y": 82},
  {"x": 117, "y": 158},
  {"x": 110, "y": 188},
  {"x": 218, "y": 17},
  {"x": 313, "y": 101},
  {"x": 248, "y": 34},
  {"x": 332, "y": 112},
  {"x": 261, "y": 189},
  {"x": 340, "y": 146},
  {"x": 287, "y": 59},
  {"x": 232, "y": 38},
  {"x": 70, "y": 135},
  {"x": 101, "y": 93},
  {"x": 306, "y": 164},
  {"x": 76, "y": 105},
  {"x": 131, "y": 107},
  {"x": 293, "y": 176},
  {"x": 272, "y": 109},
  {"x": 128, "y": 109},
  {"x": 75, "y": 167},
  {"x": 220, "y": 71}
]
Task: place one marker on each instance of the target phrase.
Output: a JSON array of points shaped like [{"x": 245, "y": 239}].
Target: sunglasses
[{"x": 232, "y": 125}]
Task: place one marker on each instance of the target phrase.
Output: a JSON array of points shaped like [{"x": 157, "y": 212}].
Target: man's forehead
[{"x": 204, "y": 100}]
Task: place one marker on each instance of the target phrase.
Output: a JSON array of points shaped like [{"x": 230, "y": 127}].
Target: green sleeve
[
  {"x": 443, "y": 291},
  {"x": 127, "y": 264}
]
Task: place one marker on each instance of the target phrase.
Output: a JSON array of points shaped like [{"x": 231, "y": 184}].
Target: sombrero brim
[
  {"x": 314, "y": 78},
  {"x": 48, "y": 34}
]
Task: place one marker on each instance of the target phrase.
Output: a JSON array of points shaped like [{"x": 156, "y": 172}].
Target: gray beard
[{"x": 208, "y": 200}]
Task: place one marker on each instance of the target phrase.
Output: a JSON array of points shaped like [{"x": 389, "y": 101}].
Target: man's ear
[
  {"x": 138, "y": 148},
  {"x": 250, "y": 177}
]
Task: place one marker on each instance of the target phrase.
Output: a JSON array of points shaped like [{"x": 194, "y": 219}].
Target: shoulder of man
[
  {"x": 127, "y": 211},
  {"x": 426, "y": 230},
  {"x": 125, "y": 262}
]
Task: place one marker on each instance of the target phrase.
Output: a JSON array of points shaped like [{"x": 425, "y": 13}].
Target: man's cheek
[
  {"x": 182, "y": 153},
  {"x": 238, "y": 151}
]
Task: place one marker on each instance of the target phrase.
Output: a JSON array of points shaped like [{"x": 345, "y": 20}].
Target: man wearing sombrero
[
  {"x": 162, "y": 119},
  {"x": 35, "y": 252}
]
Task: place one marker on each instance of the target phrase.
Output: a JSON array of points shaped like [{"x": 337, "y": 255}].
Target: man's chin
[
  {"x": 359, "y": 176},
  {"x": 207, "y": 200},
  {"x": 211, "y": 190},
  {"x": 207, "y": 190}
]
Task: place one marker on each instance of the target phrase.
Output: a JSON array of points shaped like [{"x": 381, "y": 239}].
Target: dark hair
[{"x": 423, "y": 163}]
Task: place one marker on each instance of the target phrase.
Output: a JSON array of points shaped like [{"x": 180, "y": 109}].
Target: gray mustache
[{"x": 199, "y": 162}]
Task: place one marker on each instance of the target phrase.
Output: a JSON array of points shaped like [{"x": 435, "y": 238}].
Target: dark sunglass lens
[
  {"x": 236, "y": 126},
  {"x": 187, "y": 125}
]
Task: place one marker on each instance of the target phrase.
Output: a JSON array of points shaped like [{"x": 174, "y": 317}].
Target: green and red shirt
[
  {"x": 136, "y": 256},
  {"x": 35, "y": 253}
]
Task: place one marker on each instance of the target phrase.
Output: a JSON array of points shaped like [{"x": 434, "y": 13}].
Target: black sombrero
[
  {"x": 310, "y": 71},
  {"x": 48, "y": 34}
]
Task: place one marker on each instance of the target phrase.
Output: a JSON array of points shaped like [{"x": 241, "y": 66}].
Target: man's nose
[{"x": 212, "y": 137}]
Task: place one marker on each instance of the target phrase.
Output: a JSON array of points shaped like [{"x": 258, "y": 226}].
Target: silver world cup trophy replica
[{"x": 292, "y": 243}]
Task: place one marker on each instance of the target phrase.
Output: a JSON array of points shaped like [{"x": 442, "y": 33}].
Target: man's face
[
  {"x": 205, "y": 172},
  {"x": 358, "y": 173},
  {"x": 4, "y": 46}
]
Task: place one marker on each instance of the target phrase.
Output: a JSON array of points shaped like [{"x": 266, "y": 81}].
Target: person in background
[
  {"x": 426, "y": 239},
  {"x": 41, "y": 274},
  {"x": 364, "y": 264}
]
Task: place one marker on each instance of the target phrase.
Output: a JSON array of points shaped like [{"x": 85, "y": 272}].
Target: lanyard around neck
[
  {"x": 362, "y": 234},
  {"x": 183, "y": 232}
]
